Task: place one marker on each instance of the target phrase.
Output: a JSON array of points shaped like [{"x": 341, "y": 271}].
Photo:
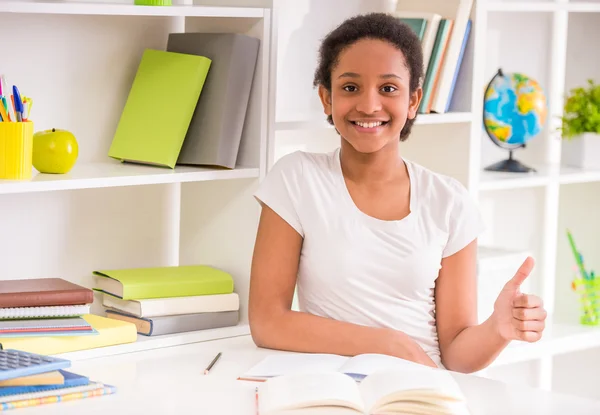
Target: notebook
[
  {"x": 37, "y": 292},
  {"x": 110, "y": 332},
  {"x": 164, "y": 282},
  {"x": 70, "y": 380},
  {"x": 407, "y": 392},
  {"x": 159, "y": 108},
  {"x": 45, "y": 327},
  {"x": 357, "y": 367},
  {"x": 44, "y": 311},
  {"x": 215, "y": 133}
]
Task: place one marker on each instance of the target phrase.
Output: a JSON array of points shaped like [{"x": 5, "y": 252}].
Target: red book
[{"x": 40, "y": 292}]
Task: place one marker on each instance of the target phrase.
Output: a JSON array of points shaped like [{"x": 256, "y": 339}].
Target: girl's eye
[
  {"x": 389, "y": 88},
  {"x": 350, "y": 88}
]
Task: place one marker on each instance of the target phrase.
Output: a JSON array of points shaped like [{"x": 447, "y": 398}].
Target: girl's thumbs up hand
[{"x": 519, "y": 316}]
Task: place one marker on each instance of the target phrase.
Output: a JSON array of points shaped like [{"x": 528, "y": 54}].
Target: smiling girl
[{"x": 382, "y": 250}]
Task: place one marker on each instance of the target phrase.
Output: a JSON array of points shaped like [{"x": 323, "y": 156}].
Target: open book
[
  {"x": 357, "y": 367},
  {"x": 413, "y": 391}
]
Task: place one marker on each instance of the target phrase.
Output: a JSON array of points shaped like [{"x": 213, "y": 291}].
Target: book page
[
  {"x": 422, "y": 384},
  {"x": 285, "y": 364},
  {"x": 365, "y": 364},
  {"x": 305, "y": 390}
]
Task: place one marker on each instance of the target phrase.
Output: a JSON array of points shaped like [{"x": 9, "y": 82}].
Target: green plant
[{"x": 582, "y": 111}]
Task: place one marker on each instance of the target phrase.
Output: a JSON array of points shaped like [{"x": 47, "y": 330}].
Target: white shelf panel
[
  {"x": 116, "y": 174},
  {"x": 422, "y": 119},
  {"x": 570, "y": 175},
  {"x": 522, "y": 6},
  {"x": 558, "y": 339},
  {"x": 538, "y": 6},
  {"x": 543, "y": 176},
  {"x": 157, "y": 342},
  {"x": 124, "y": 9},
  {"x": 502, "y": 181}
]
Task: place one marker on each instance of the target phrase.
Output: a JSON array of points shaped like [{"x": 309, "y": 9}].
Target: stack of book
[
  {"x": 169, "y": 300},
  {"x": 44, "y": 307},
  {"x": 28, "y": 379},
  {"x": 444, "y": 28}
]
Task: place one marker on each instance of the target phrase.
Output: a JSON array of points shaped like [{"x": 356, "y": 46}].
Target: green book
[
  {"x": 159, "y": 108},
  {"x": 164, "y": 282},
  {"x": 435, "y": 63},
  {"x": 417, "y": 25}
]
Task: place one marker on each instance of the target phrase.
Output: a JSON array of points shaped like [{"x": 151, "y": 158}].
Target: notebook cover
[
  {"x": 71, "y": 380},
  {"x": 215, "y": 132},
  {"x": 110, "y": 332},
  {"x": 165, "y": 282},
  {"x": 43, "y": 292},
  {"x": 159, "y": 108}
]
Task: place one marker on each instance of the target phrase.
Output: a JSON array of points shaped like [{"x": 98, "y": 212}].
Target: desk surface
[{"x": 171, "y": 381}]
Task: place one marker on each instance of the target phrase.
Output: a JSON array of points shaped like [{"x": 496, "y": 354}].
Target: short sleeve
[
  {"x": 465, "y": 221},
  {"x": 281, "y": 189}
]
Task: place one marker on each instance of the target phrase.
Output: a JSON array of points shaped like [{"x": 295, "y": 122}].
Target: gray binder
[{"x": 214, "y": 135}]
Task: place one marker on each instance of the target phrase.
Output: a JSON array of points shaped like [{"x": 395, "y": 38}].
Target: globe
[{"x": 514, "y": 112}]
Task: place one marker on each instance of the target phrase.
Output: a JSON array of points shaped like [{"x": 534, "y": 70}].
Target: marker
[
  {"x": 18, "y": 103},
  {"x": 212, "y": 364}
]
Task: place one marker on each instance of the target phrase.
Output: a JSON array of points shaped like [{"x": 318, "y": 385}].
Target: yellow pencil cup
[{"x": 16, "y": 150}]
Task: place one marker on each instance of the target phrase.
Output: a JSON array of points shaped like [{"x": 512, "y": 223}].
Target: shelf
[
  {"x": 544, "y": 176},
  {"x": 557, "y": 339},
  {"x": 503, "y": 181},
  {"x": 422, "y": 119},
  {"x": 157, "y": 342},
  {"x": 125, "y": 9},
  {"x": 116, "y": 174},
  {"x": 537, "y": 6}
]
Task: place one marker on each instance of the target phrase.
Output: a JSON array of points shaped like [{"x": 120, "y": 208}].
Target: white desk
[{"x": 171, "y": 381}]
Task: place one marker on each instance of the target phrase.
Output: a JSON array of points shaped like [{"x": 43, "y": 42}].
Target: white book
[
  {"x": 415, "y": 391},
  {"x": 172, "y": 306}
]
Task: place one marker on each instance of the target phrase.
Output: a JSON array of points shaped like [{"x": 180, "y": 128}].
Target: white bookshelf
[
  {"x": 77, "y": 60},
  {"x": 548, "y": 40}
]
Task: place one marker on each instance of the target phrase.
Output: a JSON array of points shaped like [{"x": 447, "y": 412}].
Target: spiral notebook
[{"x": 44, "y": 311}]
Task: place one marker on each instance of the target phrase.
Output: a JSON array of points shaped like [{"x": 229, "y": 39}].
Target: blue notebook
[{"x": 71, "y": 380}]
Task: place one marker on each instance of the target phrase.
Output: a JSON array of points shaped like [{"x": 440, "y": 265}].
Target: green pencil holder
[
  {"x": 589, "y": 298},
  {"x": 153, "y": 2}
]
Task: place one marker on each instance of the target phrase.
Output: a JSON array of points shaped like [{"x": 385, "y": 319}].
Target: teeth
[{"x": 369, "y": 124}]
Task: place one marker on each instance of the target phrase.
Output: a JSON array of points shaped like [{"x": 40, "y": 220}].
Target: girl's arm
[
  {"x": 274, "y": 325},
  {"x": 466, "y": 346}
]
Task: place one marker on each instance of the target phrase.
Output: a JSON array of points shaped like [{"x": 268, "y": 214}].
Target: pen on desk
[{"x": 212, "y": 363}]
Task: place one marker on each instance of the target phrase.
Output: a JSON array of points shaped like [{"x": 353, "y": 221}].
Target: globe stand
[{"x": 510, "y": 165}]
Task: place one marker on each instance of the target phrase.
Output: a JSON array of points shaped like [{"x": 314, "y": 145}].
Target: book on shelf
[
  {"x": 444, "y": 58},
  {"x": 163, "y": 282},
  {"x": 159, "y": 108},
  {"x": 413, "y": 391},
  {"x": 215, "y": 132},
  {"x": 160, "y": 325},
  {"x": 39, "y": 292},
  {"x": 156, "y": 307}
]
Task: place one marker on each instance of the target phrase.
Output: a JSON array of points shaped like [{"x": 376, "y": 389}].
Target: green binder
[
  {"x": 159, "y": 108},
  {"x": 164, "y": 282}
]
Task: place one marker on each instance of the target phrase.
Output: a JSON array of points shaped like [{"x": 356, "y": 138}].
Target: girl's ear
[
  {"x": 325, "y": 96},
  {"x": 415, "y": 102}
]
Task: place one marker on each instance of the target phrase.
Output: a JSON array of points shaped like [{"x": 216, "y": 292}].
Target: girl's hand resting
[{"x": 519, "y": 316}]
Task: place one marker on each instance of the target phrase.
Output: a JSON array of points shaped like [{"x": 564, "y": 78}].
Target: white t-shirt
[{"x": 360, "y": 269}]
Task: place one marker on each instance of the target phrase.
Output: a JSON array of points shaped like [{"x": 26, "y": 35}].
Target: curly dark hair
[{"x": 381, "y": 26}]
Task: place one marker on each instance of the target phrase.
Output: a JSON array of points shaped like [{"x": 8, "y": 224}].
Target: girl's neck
[{"x": 380, "y": 167}]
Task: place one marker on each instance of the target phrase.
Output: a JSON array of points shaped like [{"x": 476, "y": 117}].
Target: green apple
[{"x": 54, "y": 151}]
